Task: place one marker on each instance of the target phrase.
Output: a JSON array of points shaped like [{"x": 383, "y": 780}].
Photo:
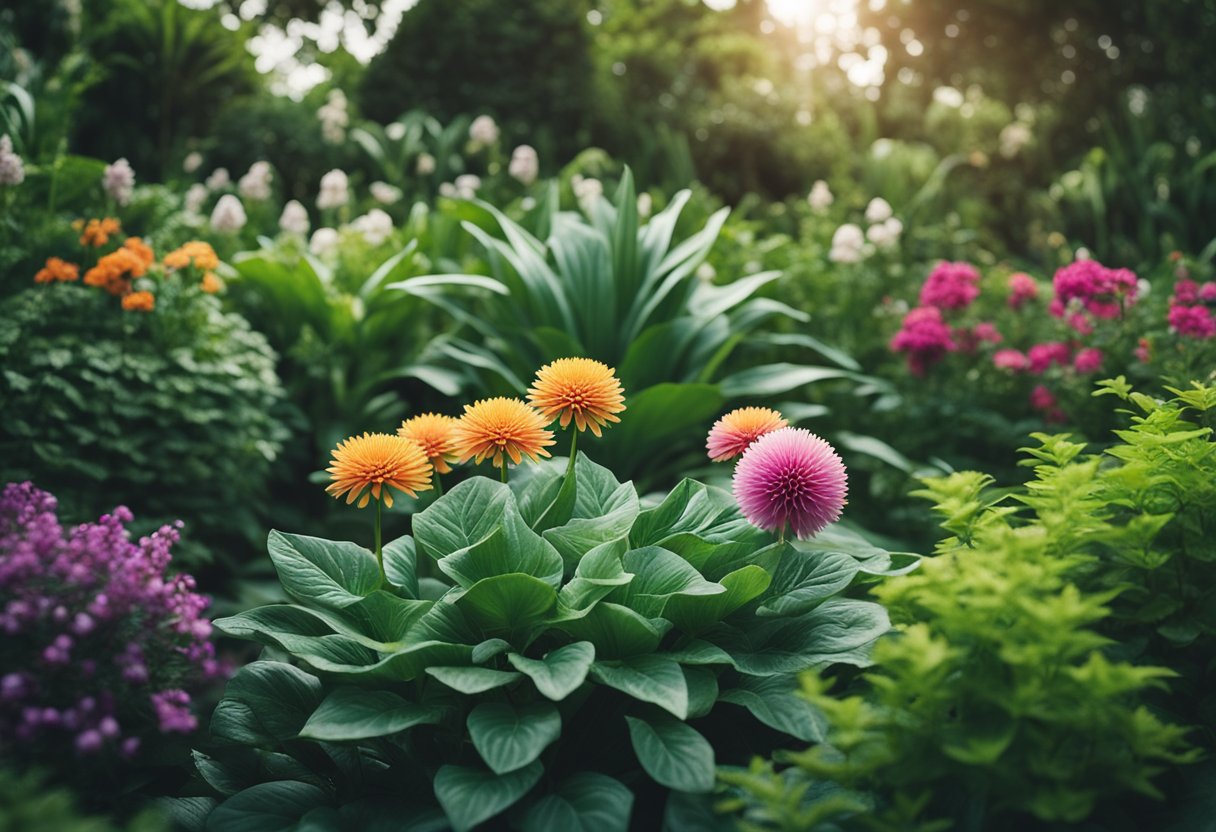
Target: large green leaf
[
  {"x": 804, "y": 580},
  {"x": 269, "y": 807},
  {"x": 509, "y": 737},
  {"x": 401, "y": 666},
  {"x": 774, "y": 700},
  {"x": 616, "y": 631},
  {"x": 560, "y": 672},
  {"x": 659, "y": 575},
  {"x": 696, "y": 613},
  {"x": 585, "y": 802},
  {"x": 266, "y": 703},
  {"x": 604, "y": 510},
  {"x": 473, "y": 680},
  {"x": 510, "y": 548},
  {"x": 357, "y": 713},
  {"x": 325, "y": 572},
  {"x": 653, "y": 679},
  {"x": 472, "y": 795},
  {"x": 673, "y": 753},
  {"x": 693, "y": 508},
  {"x": 508, "y": 606},
  {"x": 775, "y": 379},
  {"x": 463, "y": 516},
  {"x": 401, "y": 564},
  {"x": 598, "y": 573},
  {"x": 656, "y": 418}
]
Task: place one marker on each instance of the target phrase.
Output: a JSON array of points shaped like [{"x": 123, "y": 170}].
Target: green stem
[
  {"x": 573, "y": 452},
  {"x": 438, "y": 486},
  {"x": 781, "y": 536},
  {"x": 504, "y": 469},
  {"x": 379, "y": 548}
]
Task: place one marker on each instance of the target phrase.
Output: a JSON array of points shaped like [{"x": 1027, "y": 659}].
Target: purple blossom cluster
[
  {"x": 951, "y": 286},
  {"x": 100, "y": 641}
]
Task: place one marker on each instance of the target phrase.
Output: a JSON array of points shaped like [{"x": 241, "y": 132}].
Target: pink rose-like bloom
[
  {"x": 791, "y": 477},
  {"x": 1081, "y": 324},
  {"x": 1088, "y": 361},
  {"x": 1100, "y": 290},
  {"x": 951, "y": 286},
  {"x": 1041, "y": 398},
  {"x": 1022, "y": 289},
  {"x": 1192, "y": 321},
  {"x": 1185, "y": 292},
  {"x": 925, "y": 337},
  {"x": 986, "y": 332},
  {"x": 1042, "y": 356},
  {"x": 1207, "y": 292},
  {"x": 1014, "y": 360}
]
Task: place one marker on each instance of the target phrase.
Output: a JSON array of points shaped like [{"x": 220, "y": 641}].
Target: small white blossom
[
  {"x": 467, "y": 185},
  {"x": 586, "y": 190},
  {"x": 323, "y": 242},
  {"x": 255, "y": 184},
  {"x": 218, "y": 179},
  {"x": 192, "y": 162},
  {"x": 820, "y": 197},
  {"x": 196, "y": 196},
  {"x": 294, "y": 219},
  {"x": 384, "y": 193},
  {"x": 425, "y": 165},
  {"x": 228, "y": 216},
  {"x": 483, "y": 131},
  {"x": 395, "y": 131},
  {"x": 706, "y": 273},
  {"x": 447, "y": 189},
  {"x": 375, "y": 226},
  {"x": 885, "y": 234},
  {"x": 1014, "y": 136},
  {"x": 118, "y": 179},
  {"x": 335, "y": 191},
  {"x": 879, "y": 210},
  {"x": 525, "y": 165},
  {"x": 12, "y": 169},
  {"x": 334, "y": 118},
  {"x": 847, "y": 244},
  {"x": 645, "y": 205}
]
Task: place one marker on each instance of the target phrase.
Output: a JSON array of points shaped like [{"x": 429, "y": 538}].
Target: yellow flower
[
  {"x": 581, "y": 389},
  {"x": 501, "y": 427},
  {"x": 367, "y": 466},
  {"x": 436, "y": 435},
  {"x": 139, "y": 302}
]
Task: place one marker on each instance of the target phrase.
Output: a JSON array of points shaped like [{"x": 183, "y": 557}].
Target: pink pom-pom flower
[{"x": 793, "y": 478}]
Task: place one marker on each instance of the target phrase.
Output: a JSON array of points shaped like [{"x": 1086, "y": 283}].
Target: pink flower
[
  {"x": 1185, "y": 292},
  {"x": 986, "y": 332},
  {"x": 1087, "y": 361},
  {"x": 1102, "y": 291},
  {"x": 951, "y": 286},
  {"x": 1041, "y": 398},
  {"x": 1192, "y": 321},
  {"x": 791, "y": 477},
  {"x": 1081, "y": 324},
  {"x": 1042, "y": 356},
  {"x": 1144, "y": 351},
  {"x": 1207, "y": 292},
  {"x": 1022, "y": 289},
  {"x": 925, "y": 337},
  {"x": 1014, "y": 360}
]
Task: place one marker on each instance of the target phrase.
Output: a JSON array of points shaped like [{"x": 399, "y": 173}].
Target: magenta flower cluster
[
  {"x": 951, "y": 286},
  {"x": 1089, "y": 285},
  {"x": 925, "y": 336},
  {"x": 100, "y": 641},
  {"x": 1189, "y": 314}
]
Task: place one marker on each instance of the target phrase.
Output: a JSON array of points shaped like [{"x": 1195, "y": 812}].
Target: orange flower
[
  {"x": 197, "y": 253},
  {"x": 97, "y": 233},
  {"x": 731, "y": 434},
  {"x": 435, "y": 434},
  {"x": 580, "y": 389},
  {"x": 141, "y": 250},
  {"x": 211, "y": 283},
  {"x": 115, "y": 270},
  {"x": 367, "y": 466},
  {"x": 497, "y": 427},
  {"x": 56, "y": 269},
  {"x": 139, "y": 302}
]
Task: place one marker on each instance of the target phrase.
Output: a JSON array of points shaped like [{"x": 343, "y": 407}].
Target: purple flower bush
[{"x": 100, "y": 645}]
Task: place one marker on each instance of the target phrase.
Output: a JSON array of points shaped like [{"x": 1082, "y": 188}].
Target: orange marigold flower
[
  {"x": 369, "y": 465},
  {"x": 501, "y": 427},
  {"x": 436, "y": 435},
  {"x": 139, "y": 302},
  {"x": 97, "y": 233},
  {"x": 196, "y": 253},
  {"x": 141, "y": 250},
  {"x": 56, "y": 269},
  {"x": 211, "y": 283},
  {"x": 115, "y": 270},
  {"x": 581, "y": 389},
  {"x": 731, "y": 434}
]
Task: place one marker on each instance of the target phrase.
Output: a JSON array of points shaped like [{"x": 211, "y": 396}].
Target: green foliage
[
  {"x": 427, "y": 65},
  {"x": 529, "y": 652},
  {"x": 28, "y": 803},
  {"x": 172, "y": 413},
  {"x": 1003, "y": 696},
  {"x": 627, "y": 293}
]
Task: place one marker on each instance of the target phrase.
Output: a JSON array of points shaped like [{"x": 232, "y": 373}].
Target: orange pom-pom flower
[
  {"x": 369, "y": 465},
  {"x": 501, "y": 427},
  {"x": 139, "y": 302},
  {"x": 578, "y": 389},
  {"x": 436, "y": 435},
  {"x": 731, "y": 434}
]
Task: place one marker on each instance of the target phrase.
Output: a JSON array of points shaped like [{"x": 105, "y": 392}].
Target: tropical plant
[
  {"x": 395, "y": 149},
  {"x": 626, "y": 293},
  {"x": 547, "y": 647}
]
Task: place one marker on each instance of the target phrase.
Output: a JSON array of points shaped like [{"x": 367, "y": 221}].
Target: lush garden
[{"x": 607, "y": 415}]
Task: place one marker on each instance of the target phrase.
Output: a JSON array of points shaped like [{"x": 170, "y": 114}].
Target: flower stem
[
  {"x": 504, "y": 470},
  {"x": 379, "y": 548},
  {"x": 573, "y": 453},
  {"x": 781, "y": 536},
  {"x": 438, "y": 487}
]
